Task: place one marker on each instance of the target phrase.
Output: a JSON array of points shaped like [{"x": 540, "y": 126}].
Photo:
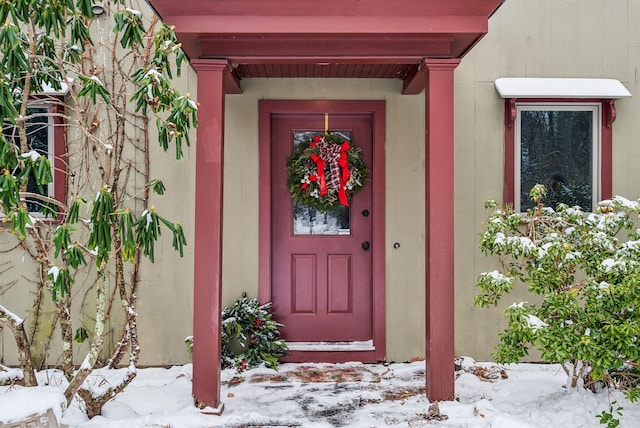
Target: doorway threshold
[{"x": 364, "y": 345}]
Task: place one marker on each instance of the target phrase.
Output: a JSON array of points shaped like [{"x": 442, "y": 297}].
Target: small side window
[
  {"x": 558, "y": 145},
  {"x": 558, "y": 132}
]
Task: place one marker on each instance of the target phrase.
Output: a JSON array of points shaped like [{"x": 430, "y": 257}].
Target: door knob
[{"x": 366, "y": 245}]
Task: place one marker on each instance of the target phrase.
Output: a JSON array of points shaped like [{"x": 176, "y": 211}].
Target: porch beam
[
  {"x": 413, "y": 82},
  {"x": 231, "y": 81},
  {"x": 207, "y": 287},
  {"x": 324, "y": 45},
  {"x": 439, "y": 227},
  {"x": 328, "y": 59}
]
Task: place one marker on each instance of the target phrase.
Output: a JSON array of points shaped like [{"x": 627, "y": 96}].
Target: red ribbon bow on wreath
[{"x": 336, "y": 156}]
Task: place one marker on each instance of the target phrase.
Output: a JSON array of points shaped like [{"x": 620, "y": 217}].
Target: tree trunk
[
  {"x": 94, "y": 405},
  {"x": 92, "y": 356},
  {"x": 16, "y": 325},
  {"x": 63, "y": 306},
  {"x": 578, "y": 373}
]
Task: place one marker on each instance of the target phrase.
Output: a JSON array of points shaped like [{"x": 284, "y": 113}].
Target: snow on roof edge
[{"x": 544, "y": 87}]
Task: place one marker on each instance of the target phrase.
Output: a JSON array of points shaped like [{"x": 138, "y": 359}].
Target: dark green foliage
[
  {"x": 249, "y": 322},
  {"x": 609, "y": 418},
  {"x": 61, "y": 281},
  {"x": 101, "y": 217},
  {"x": 157, "y": 186},
  {"x": 585, "y": 270},
  {"x": 147, "y": 231}
]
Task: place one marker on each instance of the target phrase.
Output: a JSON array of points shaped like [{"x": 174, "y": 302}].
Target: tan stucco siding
[{"x": 165, "y": 297}]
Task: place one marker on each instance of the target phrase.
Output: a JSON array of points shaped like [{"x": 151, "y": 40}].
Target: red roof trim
[
  {"x": 312, "y": 8},
  {"x": 335, "y": 25}
]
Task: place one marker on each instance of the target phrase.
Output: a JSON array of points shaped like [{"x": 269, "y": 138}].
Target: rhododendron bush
[{"x": 584, "y": 269}]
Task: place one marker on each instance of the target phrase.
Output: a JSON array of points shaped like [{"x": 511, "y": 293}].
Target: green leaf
[
  {"x": 92, "y": 87},
  {"x": 74, "y": 257},
  {"x": 13, "y": 50},
  {"x": 72, "y": 53},
  {"x": 52, "y": 14},
  {"x": 100, "y": 238},
  {"x": 74, "y": 211},
  {"x": 179, "y": 240},
  {"x": 157, "y": 186},
  {"x": 84, "y": 6},
  {"x": 80, "y": 35},
  {"x": 182, "y": 117},
  {"x": 81, "y": 335},
  {"x": 9, "y": 191},
  {"x": 61, "y": 239},
  {"x": 7, "y": 109},
  {"x": 20, "y": 219},
  {"x": 125, "y": 230},
  {"x": 61, "y": 282},
  {"x": 537, "y": 193},
  {"x": 147, "y": 231},
  {"x": 129, "y": 23}
]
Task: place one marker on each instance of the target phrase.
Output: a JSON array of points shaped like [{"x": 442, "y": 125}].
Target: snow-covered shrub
[
  {"x": 585, "y": 268},
  {"x": 250, "y": 336}
]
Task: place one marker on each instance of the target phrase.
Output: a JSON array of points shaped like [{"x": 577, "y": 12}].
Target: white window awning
[
  {"x": 533, "y": 87},
  {"x": 48, "y": 89}
]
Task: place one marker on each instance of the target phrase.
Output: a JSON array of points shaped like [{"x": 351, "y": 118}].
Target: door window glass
[{"x": 308, "y": 220}]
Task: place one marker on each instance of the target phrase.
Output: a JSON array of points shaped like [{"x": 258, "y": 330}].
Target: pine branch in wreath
[{"x": 309, "y": 173}]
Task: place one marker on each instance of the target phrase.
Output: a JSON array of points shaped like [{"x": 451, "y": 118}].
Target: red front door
[{"x": 321, "y": 272}]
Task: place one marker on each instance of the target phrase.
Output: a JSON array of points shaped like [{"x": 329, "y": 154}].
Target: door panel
[
  {"x": 321, "y": 273},
  {"x": 340, "y": 286},
  {"x": 303, "y": 287}
]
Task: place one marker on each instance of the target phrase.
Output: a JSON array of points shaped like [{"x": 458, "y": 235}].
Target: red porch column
[
  {"x": 439, "y": 228},
  {"x": 207, "y": 285}
]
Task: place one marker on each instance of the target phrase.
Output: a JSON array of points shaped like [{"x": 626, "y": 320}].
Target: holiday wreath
[{"x": 325, "y": 172}]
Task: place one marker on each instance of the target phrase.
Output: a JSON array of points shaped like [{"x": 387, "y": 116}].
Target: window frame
[
  {"x": 56, "y": 151},
  {"x": 602, "y": 168}
]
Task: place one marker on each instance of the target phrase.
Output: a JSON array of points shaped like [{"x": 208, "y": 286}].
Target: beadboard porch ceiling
[{"x": 330, "y": 38}]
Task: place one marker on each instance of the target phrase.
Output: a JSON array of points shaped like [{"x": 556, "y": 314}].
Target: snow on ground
[{"x": 333, "y": 395}]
